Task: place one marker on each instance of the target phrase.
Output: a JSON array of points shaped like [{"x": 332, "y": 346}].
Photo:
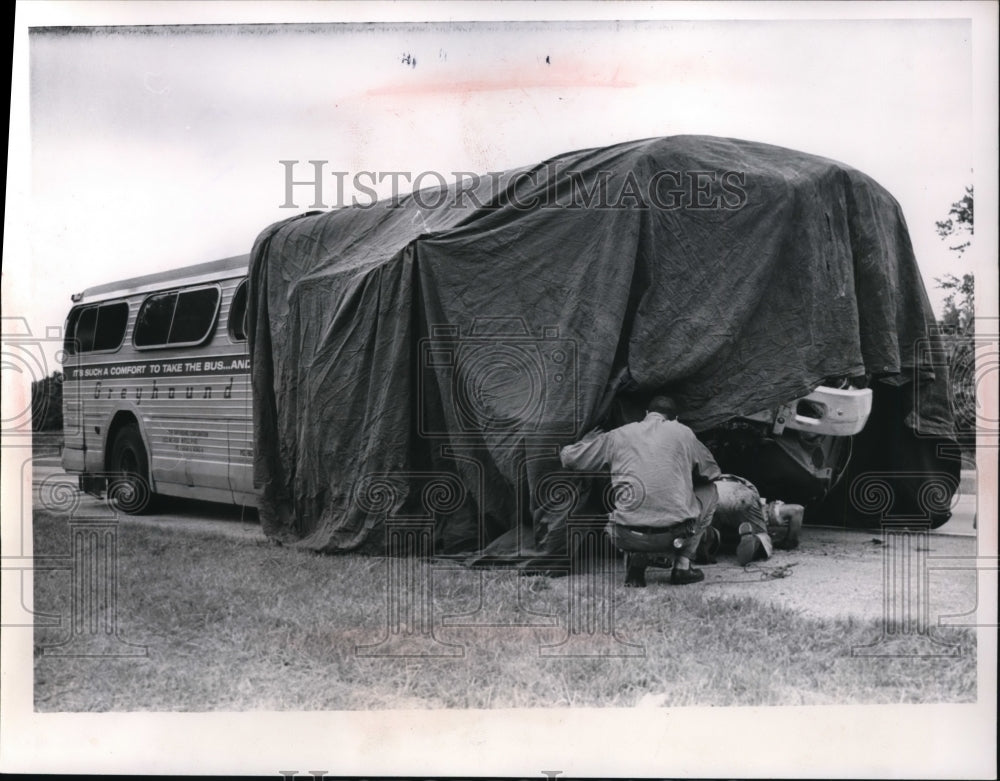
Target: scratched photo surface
[{"x": 300, "y": 313}]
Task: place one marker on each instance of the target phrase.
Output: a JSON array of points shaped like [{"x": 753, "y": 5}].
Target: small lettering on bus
[{"x": 221, "y": 365}]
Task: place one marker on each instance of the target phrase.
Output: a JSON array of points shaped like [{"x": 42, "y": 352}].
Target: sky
[{"x": 155, "y": 147}]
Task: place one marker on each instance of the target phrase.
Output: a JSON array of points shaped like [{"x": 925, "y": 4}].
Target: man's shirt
[{"x": 655, "y": 462}]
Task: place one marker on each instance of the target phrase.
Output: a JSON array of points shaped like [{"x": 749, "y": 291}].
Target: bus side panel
[
  {"x": 189, "y": 426},
  {"x": 196, "y": 402},
  {"x": 91, "y": 392},
  {"x": 73, "y": 434},
  {"x": 241, "y": 439},
  {"x": 188, "y": 436},
  {"x": 192, "y": 405}
]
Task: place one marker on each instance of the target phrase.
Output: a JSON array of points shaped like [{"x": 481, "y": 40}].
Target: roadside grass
[{"x": 231, "y": 624}]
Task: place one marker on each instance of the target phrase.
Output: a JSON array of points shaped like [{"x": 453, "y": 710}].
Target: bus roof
[{"x": 200, "y": 272}]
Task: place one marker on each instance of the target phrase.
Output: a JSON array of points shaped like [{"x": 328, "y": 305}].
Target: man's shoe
[
  {"x": 635, "y": 570},
  {"x": 681, "y": 577},
  {"x": 748, "y": 548}
]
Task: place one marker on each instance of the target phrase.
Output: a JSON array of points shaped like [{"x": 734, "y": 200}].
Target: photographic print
[{"x": 501, "y": 389}]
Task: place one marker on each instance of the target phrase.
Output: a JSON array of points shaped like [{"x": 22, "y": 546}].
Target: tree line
[
  {"x": 46, "y": 403},
  {"x": 958, "y": 318}
]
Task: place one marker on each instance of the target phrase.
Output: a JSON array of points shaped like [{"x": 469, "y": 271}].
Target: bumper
[{"x": 828, "y": 411}]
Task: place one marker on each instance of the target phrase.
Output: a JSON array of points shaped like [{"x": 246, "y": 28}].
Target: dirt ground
[
  {"x": 865, "y": 574},
  {"x": 837, "y": 573}
]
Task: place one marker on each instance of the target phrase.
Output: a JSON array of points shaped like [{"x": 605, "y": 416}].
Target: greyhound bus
[
  {"x": 156, "y": 396},
  {"x": 156, "y": 390}
]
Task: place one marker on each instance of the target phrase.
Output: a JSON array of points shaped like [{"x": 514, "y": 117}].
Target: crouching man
[{"x": 665, "y": 489}]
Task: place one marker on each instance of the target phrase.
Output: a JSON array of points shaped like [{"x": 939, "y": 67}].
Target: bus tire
[{"x": 128, "y": 487}]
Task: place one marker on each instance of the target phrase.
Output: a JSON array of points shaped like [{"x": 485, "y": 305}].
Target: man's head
[{"x": 663, "y": 405}]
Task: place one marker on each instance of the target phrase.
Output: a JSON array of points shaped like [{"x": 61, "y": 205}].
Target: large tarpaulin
[{"x": 421, "y": 361}]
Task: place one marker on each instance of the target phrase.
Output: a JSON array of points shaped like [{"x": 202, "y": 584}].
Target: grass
[{"x": 231, "y": 624}]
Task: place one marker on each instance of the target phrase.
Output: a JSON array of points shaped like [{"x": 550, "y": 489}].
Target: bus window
[
  {"x": 153, "y": 323},
  {"x": 85, "y": 328},
  {"x": 178, "y": 318},
  {"x": 69, "y": 340},
  {"x": 238, "y": 315},
  {"x": 111, "y": 322},
  {"x": 96, "y": 328},
  {"x": 194, "y": 315}
]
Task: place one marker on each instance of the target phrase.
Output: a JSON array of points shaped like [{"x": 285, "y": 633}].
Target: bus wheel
[{"x": 128, "y": 486}]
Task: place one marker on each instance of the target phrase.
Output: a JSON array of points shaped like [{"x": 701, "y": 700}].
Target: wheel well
[{"x": 118, "y": 422}]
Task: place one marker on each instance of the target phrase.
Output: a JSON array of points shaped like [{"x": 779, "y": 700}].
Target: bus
[
  {"x": 156, "y": 393},
  {"x": 157, "y": 400}
]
